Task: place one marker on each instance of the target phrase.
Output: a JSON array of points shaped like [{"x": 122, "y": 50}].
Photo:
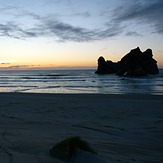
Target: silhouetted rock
[
  {"x": 135, "y": 63},
  {"x": 102, "y": 68},
  {"x": 106, "y": 67},
  {"x": 149, "y": 64}
]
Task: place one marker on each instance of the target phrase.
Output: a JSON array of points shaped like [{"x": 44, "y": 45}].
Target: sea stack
[{"x": 135, "y": 63}]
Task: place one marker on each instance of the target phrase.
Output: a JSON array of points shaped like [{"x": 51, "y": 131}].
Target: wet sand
[{"x": 121, "y": 128}]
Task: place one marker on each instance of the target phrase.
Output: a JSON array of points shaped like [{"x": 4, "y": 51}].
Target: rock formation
[{"x": 135, "y": 63}]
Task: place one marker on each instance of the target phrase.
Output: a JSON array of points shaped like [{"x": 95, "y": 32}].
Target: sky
[{"x": 75, "y": 33}]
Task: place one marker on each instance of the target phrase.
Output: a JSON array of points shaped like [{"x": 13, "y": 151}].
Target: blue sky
[{"x": 67, "y": 33}]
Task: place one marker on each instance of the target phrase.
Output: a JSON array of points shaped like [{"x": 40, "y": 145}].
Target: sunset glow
[{"x": 60, "y": 34}]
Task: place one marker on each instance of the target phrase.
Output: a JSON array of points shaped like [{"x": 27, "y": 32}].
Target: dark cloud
[
  {"x": 66, "y": 32},
  {"x": 18, "y": 67},
  {"x": 9, "y": 29},
  {"x": 144, "y": 12},
  {"x": 59, "y": 31},
  {"x": 5, "y": 63},
  {"x": 133, "y": 33},
  {"x": 12, "y": 30}
]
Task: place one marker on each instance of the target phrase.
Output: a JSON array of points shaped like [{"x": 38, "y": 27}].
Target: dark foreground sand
[{"x": 121, "y": 128}]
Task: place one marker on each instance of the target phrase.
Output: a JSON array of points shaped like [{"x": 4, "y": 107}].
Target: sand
[{"x": 121, "y": 128}]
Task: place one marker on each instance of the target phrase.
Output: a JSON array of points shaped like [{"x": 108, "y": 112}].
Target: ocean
[{"x": 78, "y": 81}]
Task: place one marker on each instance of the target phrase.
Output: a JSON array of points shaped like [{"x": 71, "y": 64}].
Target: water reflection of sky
[
  {"x": 137, "y": 85},
  {"x": 76, "y": 81},
  {"x": 113, "y": 84}
]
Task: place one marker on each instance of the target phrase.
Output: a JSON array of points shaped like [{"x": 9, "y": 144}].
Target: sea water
[{"x": 78, "y": 81}]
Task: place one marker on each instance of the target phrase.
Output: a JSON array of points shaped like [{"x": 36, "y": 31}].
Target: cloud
[
  {"x": 51, "y": 26},
  {"x": 146, "y": 12},
  {"x": 7, "y": 8},
  {"x": 12, "y": 30},
  {"x": 143, "y": 12},
  {"x": 160, "y": 51},
  {"x": 133, "y": 33},
  {"x": 59, "y": 31},
  {"x": 18, "y": 67},
  {"x": 66, "y": 32},
  {"x": 8, "y": 29},
  {"x": 5, "y": 63},
  {"x": 6, "y": 66},
  {"x": 82, "y": 14}
]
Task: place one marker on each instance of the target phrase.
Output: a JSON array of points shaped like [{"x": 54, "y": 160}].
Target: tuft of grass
[{"x": 65, "y": 149}]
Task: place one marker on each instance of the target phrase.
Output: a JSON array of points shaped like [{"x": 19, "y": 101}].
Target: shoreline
[
  {"x": 112, "y": 96},
  {"x": 107, "y": 94}
]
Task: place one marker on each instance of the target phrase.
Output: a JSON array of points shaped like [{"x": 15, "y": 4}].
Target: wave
[{"x": 78, "y": 81}]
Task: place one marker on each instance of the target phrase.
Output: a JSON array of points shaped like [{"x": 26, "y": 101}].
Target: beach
[{"x": 121, "y": 128}]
